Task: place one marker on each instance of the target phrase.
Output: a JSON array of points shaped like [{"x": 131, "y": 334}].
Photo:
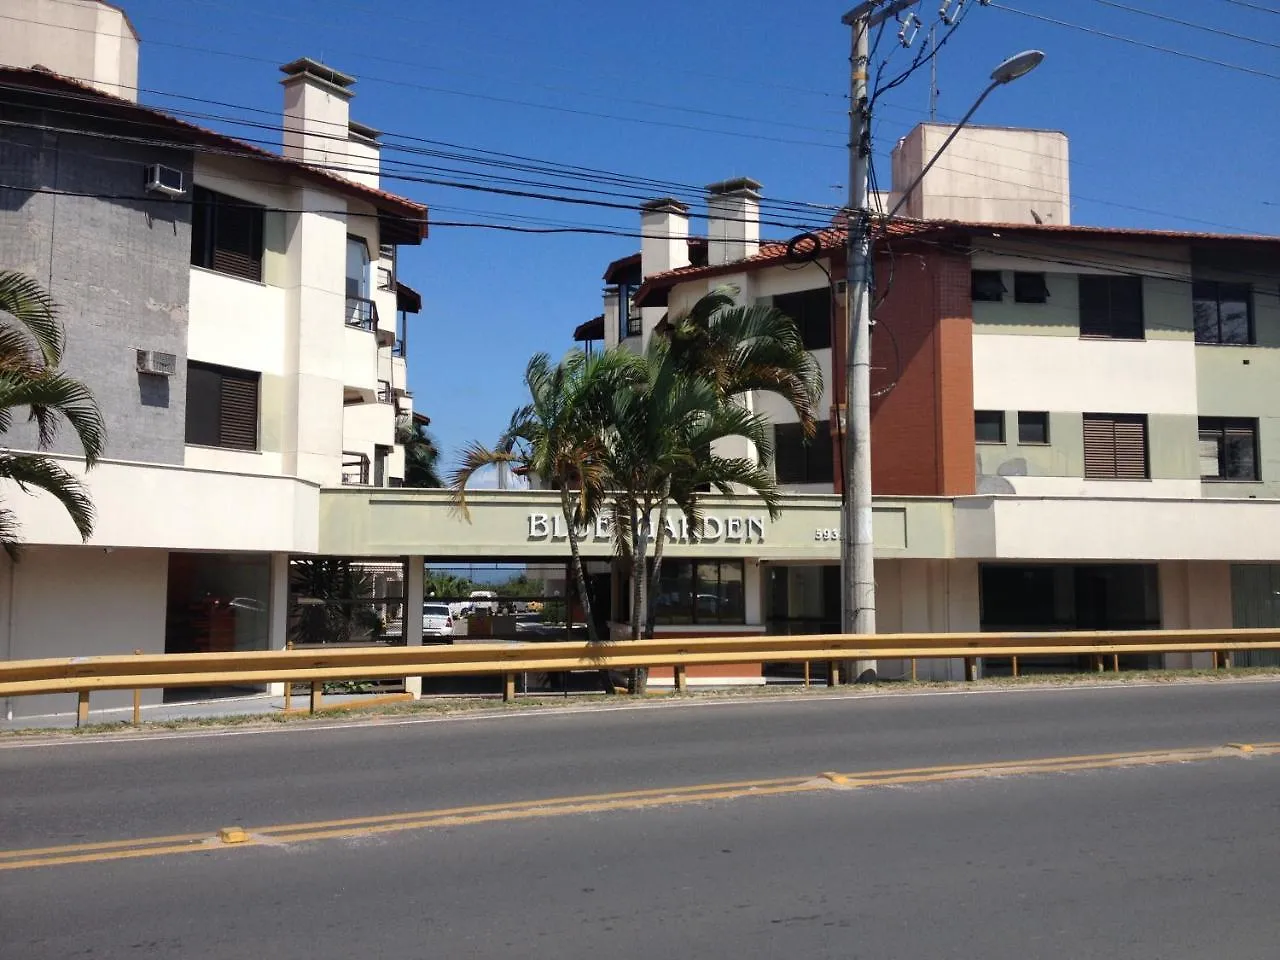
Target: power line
[
  {"x": 1188, "y": 23},
  {"x": 1252, "y": 6},
  {"x": 1138, "y": 43}
]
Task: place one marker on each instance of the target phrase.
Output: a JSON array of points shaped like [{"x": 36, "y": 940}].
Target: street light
[
  {"x": 857, "y": 556},
  {"x": 1019, "y": 65}
]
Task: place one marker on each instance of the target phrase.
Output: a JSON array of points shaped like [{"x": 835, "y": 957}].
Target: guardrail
[{"x": 83, "y": 675}]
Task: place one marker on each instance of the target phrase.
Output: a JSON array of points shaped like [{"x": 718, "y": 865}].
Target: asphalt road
[{"x": 1167, "y": 861}]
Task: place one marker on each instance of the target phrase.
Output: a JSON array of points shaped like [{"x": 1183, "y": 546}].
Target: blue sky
[{"x": 652, "y": 89}]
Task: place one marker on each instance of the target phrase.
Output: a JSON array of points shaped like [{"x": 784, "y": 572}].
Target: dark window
[
  {"x": 703, "y": 591},
  {"x": 631, "y": 321},
  {"x": 988, "y": 426},
  {"x": 811, "y": 310},
  {"x": 1223, "y": 312},
  {"x": 1115, "y": 446},
  {"x": 1111, "y": 307},
  {"x": 226, "y": 234},
  {"x": 222, "y": 407},
  {"x": 987, "y": 285},
  {"x": 1030, "y": 288},
  {"x": 1033, "y": 427},
  {"x": 797, "y": 460},
  {"x": 1228, "y": 448},
  {"x": 380, "y": 457}
]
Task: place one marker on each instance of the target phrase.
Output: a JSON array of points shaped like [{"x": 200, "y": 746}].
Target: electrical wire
[
  {"x": 1188, "y": 23},
  {"x": 1138, "y": 43},
  {"x": 1252, "y": 6}
]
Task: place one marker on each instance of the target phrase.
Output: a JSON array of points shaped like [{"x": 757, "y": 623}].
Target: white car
[{"x": 437, "y": 620}]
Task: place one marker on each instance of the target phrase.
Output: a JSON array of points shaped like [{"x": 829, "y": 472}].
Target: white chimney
[
  {"x": 733, "y": 220},
  {"x": 364, "y": 154},
  {"x": 86, "y": 40},
  {"x": 316, "y": 113},
  {"x": 664, "y": 229}
]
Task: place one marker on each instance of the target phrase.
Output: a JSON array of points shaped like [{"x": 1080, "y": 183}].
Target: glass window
[
  {"x": 1223, "y": 312},
  {"x": 1033, "y": 427},
  {"x": 1228, "y": 448},
  {"x": 988, "y": 426},
  {"x": 705, "y": 591},
  {"x": 357, "y": 268},
  {"x": 986, "y": 286},
  {"x": 226, "y": 234},
  {"x": 811, "y": 310},
  {"x": 222, "y": 407},
  {"x": 1030, "y": 288},
  {"x": 797, "y": 460},
  {"x": 1111, "y": 307}
]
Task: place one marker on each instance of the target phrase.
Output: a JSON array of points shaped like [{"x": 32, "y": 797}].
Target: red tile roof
[
  {"x": 407, "y": 219},
  {"x": 831, "y": 241},
  {"x": 593, "y": 329}
]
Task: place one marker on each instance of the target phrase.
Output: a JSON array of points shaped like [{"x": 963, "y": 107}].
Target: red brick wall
[{"x": 922, "y": 365}]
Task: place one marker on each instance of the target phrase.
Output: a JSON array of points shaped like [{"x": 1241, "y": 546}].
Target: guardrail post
[
  {"x": 508, "y": 687},
  {"x": 808, "y": 668},
  {"x": 970, "y": 669},
  {"x": 1097, "y": 662},
  {"x": 288, "y": 684},
  {"x": 682, "y": 678},
  {"x": 317, "y": 695},
  {"x": 1115, "y": 663},
  {"x": 82, "y": 708},
  {"x": 833, "y": 673},
  {"x": 913, "y": 669},
  {"x": 137, "y": 699},
  {"x": 1013, "y": 662}
]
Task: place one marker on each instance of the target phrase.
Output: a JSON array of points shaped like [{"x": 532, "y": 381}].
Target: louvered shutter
[
  {"x": 237, "y": 241},
  {"x": 1099, "y": 446},
  {"x": 1131, "y": 447},
  {"x": 239, "y": 411}
]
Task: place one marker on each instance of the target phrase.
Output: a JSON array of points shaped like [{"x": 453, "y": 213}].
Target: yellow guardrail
[{"x": 82, "y": 675}]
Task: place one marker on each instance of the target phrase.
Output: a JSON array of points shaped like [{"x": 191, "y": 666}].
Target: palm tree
[
  {"x": 331, "y": 601},
  {"x": 421, "y": 453},
  {"x": 31, "y": 345},
  {"x": 559, "y": 437},
  {"x": 661, "y": 432}
]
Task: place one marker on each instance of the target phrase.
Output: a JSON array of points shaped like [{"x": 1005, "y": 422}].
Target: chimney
[
  {"x": 364, "y": 154},
  {"x": 316, "y": 113},
  {"x": 733, "y": 220},
  {"x": 89, "y": 40},
  {"x": 664, "y": 227}
]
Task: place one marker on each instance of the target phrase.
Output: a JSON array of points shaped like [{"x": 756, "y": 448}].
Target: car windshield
[{"x": 435, "y": 610}]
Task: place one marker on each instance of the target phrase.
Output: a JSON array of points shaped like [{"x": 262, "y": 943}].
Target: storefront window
[{"x": 706, "y": 591}]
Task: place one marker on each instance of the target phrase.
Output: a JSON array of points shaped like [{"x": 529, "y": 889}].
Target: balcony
[
  {"x": 362, "y": 313},
  {"x": 355, "y": 469}
]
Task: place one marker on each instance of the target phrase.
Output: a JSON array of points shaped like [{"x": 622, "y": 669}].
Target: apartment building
[
  {"x": 1073, "y": 427},
  {"x": 237, "y": 313}
]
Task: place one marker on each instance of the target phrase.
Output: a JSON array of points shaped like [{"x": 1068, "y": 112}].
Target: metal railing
[
  {"x": 362, "y": 313},
  {"x": 82, "y": 675},
  {"x": 355, "y": 469}
]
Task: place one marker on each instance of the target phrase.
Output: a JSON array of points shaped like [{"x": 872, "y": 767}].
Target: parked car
[{"x": 437, "y": 621}]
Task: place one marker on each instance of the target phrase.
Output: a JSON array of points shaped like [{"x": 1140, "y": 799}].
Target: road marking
[
  {"x": 44, "y": 741},
  {"x": 595, "y": 803}
]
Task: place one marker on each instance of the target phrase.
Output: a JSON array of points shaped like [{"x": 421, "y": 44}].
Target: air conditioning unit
[
  {"x": 156, "y": 363},
  {"x": 166, "y": 180}
]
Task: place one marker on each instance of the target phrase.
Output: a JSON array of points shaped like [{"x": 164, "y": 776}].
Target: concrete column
[
  {"x": 278, "y": 611},
  {"x": 414, "y": 578}
]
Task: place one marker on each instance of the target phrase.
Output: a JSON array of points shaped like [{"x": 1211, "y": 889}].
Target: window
[
  {"x": 704, "y": 591},
  {"x": 632, "y": 324},
  {"x": 226, "y": 234},
  {"x": 222, "y": 407},
  {"x": 988, "y": 426},
  {"x": 796, "y": 460},
  {"x": 811, "y": 310},
  {"x": 1228, "y": 448},
  {"x": 1223, "y": 312},
  {"x": 1033, "y": 427},
  {"x": 1115, "y": 446},
  {"x": 987, "y": 285},
  {"x": 1111, "y": 307},
  {"x": 1030, "y": 288}
]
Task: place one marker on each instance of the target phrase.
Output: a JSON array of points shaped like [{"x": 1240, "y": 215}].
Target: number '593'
[{"x": 826, "y": 533}]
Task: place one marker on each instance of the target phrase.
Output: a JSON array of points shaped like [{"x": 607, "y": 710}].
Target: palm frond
[
  {"x": 24, "y": 299},
  {"x": 53, "y": 398},
  {"x": 475, "y": 456},
  {"x": 30, "y": 471}
]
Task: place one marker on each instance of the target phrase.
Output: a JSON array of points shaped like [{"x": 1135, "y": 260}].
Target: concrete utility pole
[{"x": 857, "y": 545}]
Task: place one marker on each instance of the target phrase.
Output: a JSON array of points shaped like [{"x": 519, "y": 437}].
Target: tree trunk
[
  {"x": 640, "y": 583},
  {"x": 570, "y": 510},
  {"x": 660, "y": 541}
]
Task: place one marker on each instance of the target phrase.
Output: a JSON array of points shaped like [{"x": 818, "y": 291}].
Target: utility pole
[{"x": 857, "y": 543}]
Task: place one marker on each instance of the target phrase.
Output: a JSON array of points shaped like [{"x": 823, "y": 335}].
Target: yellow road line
[{"x": 594, "y": 803}]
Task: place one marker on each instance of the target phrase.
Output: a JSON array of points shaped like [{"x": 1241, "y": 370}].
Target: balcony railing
[
  {"x": 397, "y": 348},
  {"x": 385, "y": 393},
  {"x": 362, "y": 313},
  {"x": 355, "y": 469}
]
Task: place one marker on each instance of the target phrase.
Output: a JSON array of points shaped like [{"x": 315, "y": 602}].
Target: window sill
[
  {"x": 230, "y": 276},
  {"x": 1105, "y": 339},
  {"x": 1034, "y": 443},
  {"x": 207, "y": 446},
  {"x": 1227, "y": 480},
  {"x": 1215, "y": 343},
  {"x": 1121, "y": 479},
  {"x": 991, "y": 443}
]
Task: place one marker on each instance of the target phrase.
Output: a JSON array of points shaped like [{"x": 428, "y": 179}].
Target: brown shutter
[
  {"x": 239, "y": 411},
  {"x": 237, "y": 238},
  {"x": 1099, "y": 446},
  {"x": 1131, "y": 448}
]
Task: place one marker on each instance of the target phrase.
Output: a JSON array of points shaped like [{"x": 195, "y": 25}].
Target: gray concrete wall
[{"x": 117, "y": 262}]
